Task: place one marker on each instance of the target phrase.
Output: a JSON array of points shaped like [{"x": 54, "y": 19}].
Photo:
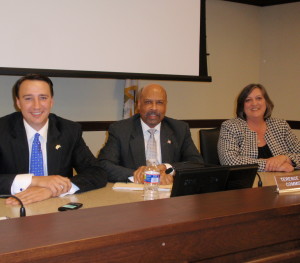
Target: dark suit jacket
[
  {"x": 124, "y": 151},
  {"x": 73, "y": 153}
]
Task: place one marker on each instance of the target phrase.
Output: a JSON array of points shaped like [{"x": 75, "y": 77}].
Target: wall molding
[{"x": 201, "y": 123}]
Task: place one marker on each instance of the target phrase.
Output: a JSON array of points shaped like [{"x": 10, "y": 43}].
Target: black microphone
[
  {"x": 22, "y": 209},
  {"x": 169, "y": 170},
  {"x": 259, "y": 183}
]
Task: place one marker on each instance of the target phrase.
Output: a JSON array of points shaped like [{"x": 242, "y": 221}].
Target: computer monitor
[
  {"x": 192, "y": 178},
  {"x": 195, "y": 178},
  {"x": 241, "y": 176}
]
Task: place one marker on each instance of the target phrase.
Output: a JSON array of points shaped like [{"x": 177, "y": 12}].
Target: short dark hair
[
  {"x": 245, "y": 93},
  {"x": 40, "y": 77}
]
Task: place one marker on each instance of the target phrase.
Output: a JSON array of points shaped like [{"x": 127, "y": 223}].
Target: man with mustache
[{"x": 124, "y": 155}]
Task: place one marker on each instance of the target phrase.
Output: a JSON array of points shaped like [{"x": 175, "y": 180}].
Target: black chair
[{"x": 209, "y": 145}]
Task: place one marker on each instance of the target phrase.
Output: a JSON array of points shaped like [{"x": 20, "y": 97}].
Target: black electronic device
[
  {"x": 70, "y": 206},
  {"x": 241, "y": 176},
  {"x": 193, "y": 178}
]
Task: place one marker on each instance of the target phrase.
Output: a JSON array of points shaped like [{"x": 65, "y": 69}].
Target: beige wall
[
  {"x": 280, "y": 58},
  {"x": 246, "y": 44}
]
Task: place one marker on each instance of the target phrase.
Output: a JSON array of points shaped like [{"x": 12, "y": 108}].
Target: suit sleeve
[
  {"x": 110, "y": 158},
  {"x": 189, "y": 152},
  {"x": 89, "y": 175},
  {"x": 6, "y": 181},
  {"x": 8, "y": 160}
]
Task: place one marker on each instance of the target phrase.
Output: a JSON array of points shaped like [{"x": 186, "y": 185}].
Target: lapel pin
[
  {"x": 57, "y": 146},
  {"x": 169, "y": 142}
]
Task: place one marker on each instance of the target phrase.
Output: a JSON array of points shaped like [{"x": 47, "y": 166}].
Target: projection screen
[{"x": 103, "y": 38}]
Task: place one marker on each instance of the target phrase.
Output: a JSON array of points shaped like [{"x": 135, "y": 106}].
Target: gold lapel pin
[{"x": 57, "y": 146}]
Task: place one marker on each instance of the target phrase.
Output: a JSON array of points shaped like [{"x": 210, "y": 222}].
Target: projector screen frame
[{"x": 203, "y": 73}]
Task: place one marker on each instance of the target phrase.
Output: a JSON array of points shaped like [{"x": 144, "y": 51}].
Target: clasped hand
[
  {"x": 42, "y": 188},
  {"x": 55, "y": 183},
  {"x": 280, "y": 163}
]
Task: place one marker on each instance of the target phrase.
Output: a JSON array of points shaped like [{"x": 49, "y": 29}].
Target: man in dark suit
[
  {"x": 61, "y": 146},
  {"x": 124, "y": 155}
]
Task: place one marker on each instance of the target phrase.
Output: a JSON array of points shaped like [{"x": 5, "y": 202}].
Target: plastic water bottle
[{"x": 151, "y": 180}]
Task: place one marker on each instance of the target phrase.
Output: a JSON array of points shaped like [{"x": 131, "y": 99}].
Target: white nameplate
[{"x": 287, "y": 183}]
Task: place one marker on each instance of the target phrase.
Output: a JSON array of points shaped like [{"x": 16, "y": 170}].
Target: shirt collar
[
  {"x": 145, "y": 127},
  {"x": 30, "y": 132}
]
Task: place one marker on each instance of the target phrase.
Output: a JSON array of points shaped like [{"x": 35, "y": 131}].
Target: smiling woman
[{"x": 255, "y": 137}]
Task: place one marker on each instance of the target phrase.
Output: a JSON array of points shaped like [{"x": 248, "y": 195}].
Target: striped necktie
[{"x": 151, "y": 152}]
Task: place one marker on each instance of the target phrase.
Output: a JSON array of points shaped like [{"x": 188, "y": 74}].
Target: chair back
[{"x": 209, "y": 145}]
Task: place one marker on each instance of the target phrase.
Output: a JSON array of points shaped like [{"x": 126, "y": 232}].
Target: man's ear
[
  {"x": 137, "y": 107},
  {"x": 52, "y": 102},
  {"x": 17, "y": 104}
]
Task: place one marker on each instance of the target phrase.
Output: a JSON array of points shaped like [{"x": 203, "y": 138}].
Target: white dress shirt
[
  {"x": 22, "y": 181},
  {"x": 146, "y": 134}
]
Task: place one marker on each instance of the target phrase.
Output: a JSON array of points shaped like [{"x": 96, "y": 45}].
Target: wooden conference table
[
  {"x": 232, "y": 226},
  {"x": 102, "y": 197}
]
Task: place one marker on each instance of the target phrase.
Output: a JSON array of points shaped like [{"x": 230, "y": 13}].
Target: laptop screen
[
  {"x": 194, "y": 178},
  {"x": 241, "y": 176}
]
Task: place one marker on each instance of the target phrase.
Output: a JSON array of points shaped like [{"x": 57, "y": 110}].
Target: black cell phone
[{"x": 70, "y": 206}]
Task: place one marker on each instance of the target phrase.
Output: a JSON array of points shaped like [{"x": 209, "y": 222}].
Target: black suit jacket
[
  {"x": 124, "y": 151},
  {"x": 72, "y": 153}
]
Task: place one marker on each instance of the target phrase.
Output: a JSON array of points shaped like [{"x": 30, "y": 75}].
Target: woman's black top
[{"x": 264, "y": 152}]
